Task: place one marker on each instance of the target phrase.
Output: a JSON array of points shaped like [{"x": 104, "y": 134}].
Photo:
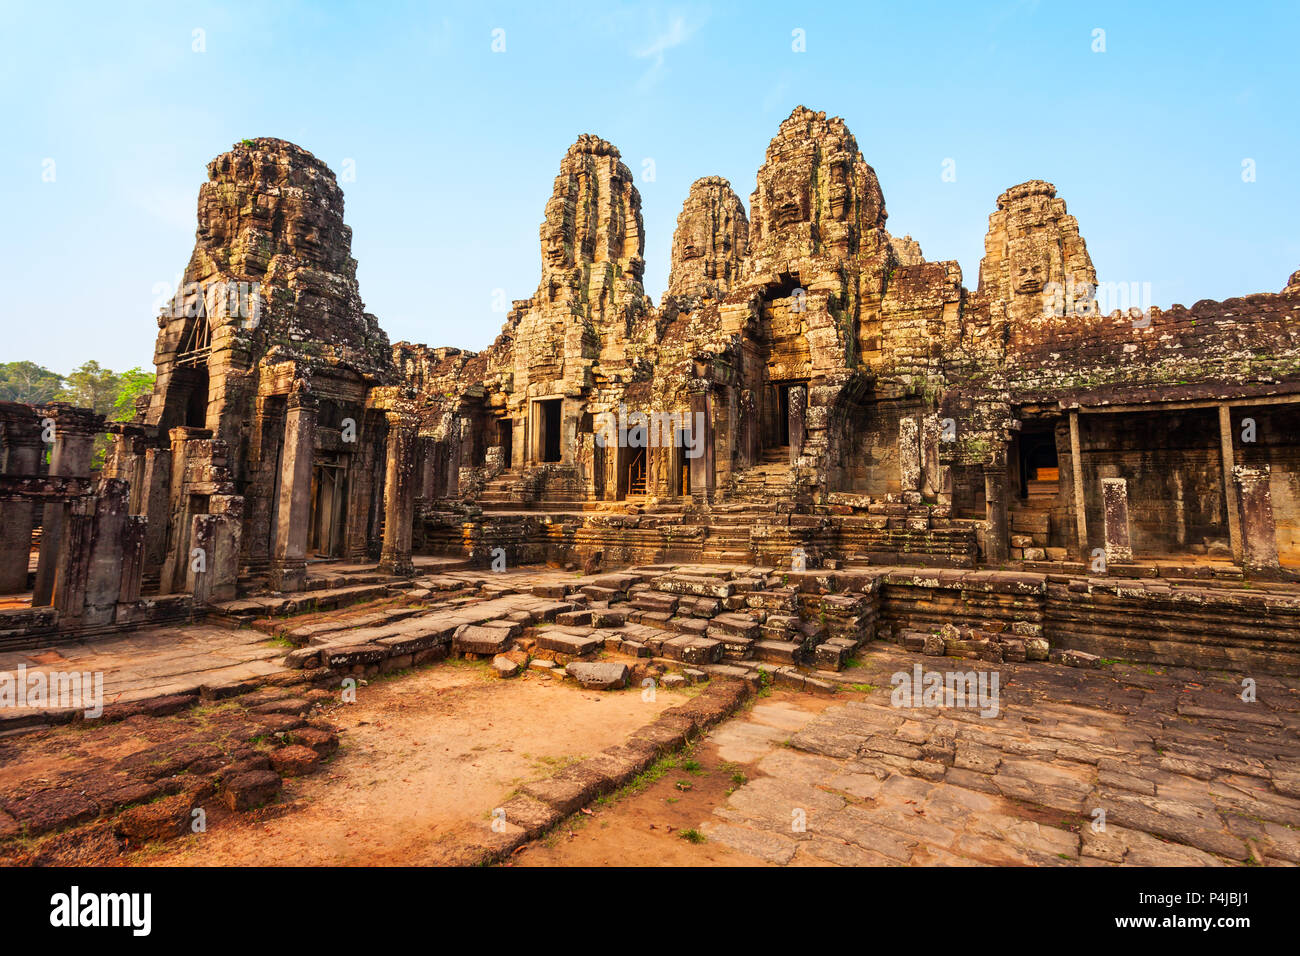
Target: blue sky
[{"x": 455, "y": 147}]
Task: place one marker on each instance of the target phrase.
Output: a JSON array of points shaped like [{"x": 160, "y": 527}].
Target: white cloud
[{"x": 677, "y": 33}]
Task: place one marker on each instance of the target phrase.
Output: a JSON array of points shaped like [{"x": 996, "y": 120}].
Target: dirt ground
[{"x": 422, "y": 758}]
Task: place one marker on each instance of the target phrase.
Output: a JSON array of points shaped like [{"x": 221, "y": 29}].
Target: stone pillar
[
  {"x": 72, "y": 553},
  {"x": 1227, "y": 457},
  {"x": 996, "y": 536},
  {"x": 1258, "y": 529},
  {"x": 134, "y": 534},
  {"x": 219, "y": 535},
  {"x": 395, "y": 558},
  {"x": 178, "y": 513},
  {"x": 932, "y": 479},
  {"x": 1076, "y": 474},
  {"x": 797, "y": 400},
  {"x": 155, "y": 499},
  {"x": 702, "y": 421},
  {"x": 293, "y": 508},
  {"x": 453, "y": 458},
  {"x": 1114, "y": 505},
  {"x": 428, "y": 461},
  {"x": 22, "y": 457},
  {"x": 74, "y": 445},
  {"x": 909, "y": 454},
  {"x": 104, "y": 563},
  {"x": 748, "y": 422}
]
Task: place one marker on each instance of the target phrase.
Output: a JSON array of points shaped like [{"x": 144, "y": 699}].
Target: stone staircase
[
  {"x": 500, "y": 493},
  {"x": 771, "y": 477}
]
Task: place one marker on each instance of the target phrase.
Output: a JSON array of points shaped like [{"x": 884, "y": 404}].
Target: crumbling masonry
[{"x": 817, "y": 395}]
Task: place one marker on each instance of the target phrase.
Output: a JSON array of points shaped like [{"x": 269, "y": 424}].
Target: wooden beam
[
  {"x": 1229, "y": 482},
  {"x": 1178, "y": 406}
]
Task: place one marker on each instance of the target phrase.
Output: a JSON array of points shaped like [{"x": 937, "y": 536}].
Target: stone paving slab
[{"x": 1185, "y": 772}]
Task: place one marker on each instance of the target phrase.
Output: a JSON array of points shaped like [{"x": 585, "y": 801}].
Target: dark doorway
[
  {"x": 196, "y": 407},
  {"x": 549, "y": 419},
  {"x": 783, "y": 414},
  {"x": 328, "y": 502},
  {"x": 1039, "y": 470},
  {"x": 506, "y": 439},
  {"x": 681, "y": 463},
  {"x": 634, "y": 480}
]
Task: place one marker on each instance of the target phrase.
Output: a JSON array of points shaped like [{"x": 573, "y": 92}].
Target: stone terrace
[{"x": 1186, "y": 773}]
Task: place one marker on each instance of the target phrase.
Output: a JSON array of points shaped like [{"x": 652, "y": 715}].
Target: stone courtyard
[{"x": 654, "y": 582}]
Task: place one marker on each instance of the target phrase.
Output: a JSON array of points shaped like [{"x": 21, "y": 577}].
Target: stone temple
[{"x": 811, "y": 398}]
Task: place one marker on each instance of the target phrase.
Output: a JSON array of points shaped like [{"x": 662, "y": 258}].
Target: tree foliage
[
  {"x": 28, "y": 383},
  {"x": 90, "y": 385}
]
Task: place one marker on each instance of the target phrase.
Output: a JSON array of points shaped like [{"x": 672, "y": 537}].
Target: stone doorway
[
  {"x": 547, "y": 418},
  {"x": 681, "y": 463},
  {"x": 632, "y": 480},
  {"x": 506, "y": 439},
  {"x": 328, "y": 508}
]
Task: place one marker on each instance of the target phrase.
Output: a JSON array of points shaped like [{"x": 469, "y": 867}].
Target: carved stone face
[{"x": 1030, "y": 265}]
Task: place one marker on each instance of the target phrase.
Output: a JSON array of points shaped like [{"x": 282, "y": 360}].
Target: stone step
[
  {"x": 781, "y": 652},
  {"x": 693, "y": 650},
  {"x": 693, "y": 585},
  {"x": 738, "y": 625},
  {"x": 689, "y": 625},
  {"x": 575, "y": 643},
  {"x": 655, "y": 601}
]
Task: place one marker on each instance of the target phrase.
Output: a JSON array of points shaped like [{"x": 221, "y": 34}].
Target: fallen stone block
[
  {"x": 693, "y": 650},
  {"x": 253, "y": 789},
  {"x": 1075, "y": 659},
  {"x": 475, "y": 639},
  {"x": 294, "y": 760},
  {"x": 324, "y": 742},
  {"x": 354, "y": 654},
  {"x": 504, "y": 667},
  {"x": 563, "y": 642},
  {"x": 598, "y": 675}
]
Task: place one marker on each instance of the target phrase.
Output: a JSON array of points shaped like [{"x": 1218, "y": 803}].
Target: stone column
[
  {"x": 702, "y": 421},
  {"x": 293, "y": 508},
  {"x": 104, "y": 562},
  {"x": 178, "y": 515},
  {"x": 932, "y": 481},
  {"x": 1227, "y": 457},
  {"x": 71, "y": 557},
  {"x": 1076, "y": 474},
  {"x": 1258, "y": 529},
  {"x": 428, "y": 459},
  {"x": 1114, "y": 505},
  {"x": 909, "y": 454},
  {"x": 996, "y": 535},
  {"x": 74, "y": 445},
  {"x": 797, "y": 400},
  {"x": 219, "y": 534},
  {"x": 395, "y": 558},
  {"x": 22, "y": 457},
  {"x": 453, "y": 458},
  {"x": 134, "y": 534}
]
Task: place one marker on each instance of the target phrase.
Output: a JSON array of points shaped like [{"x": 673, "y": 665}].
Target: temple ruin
[{"x": 812, "y": 399}]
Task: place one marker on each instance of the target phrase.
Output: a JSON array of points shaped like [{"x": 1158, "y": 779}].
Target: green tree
[
  {"x": 91, "y": 386},
  {"x": 28, "y": 382},
  {"x": 131, "y": 384}
]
